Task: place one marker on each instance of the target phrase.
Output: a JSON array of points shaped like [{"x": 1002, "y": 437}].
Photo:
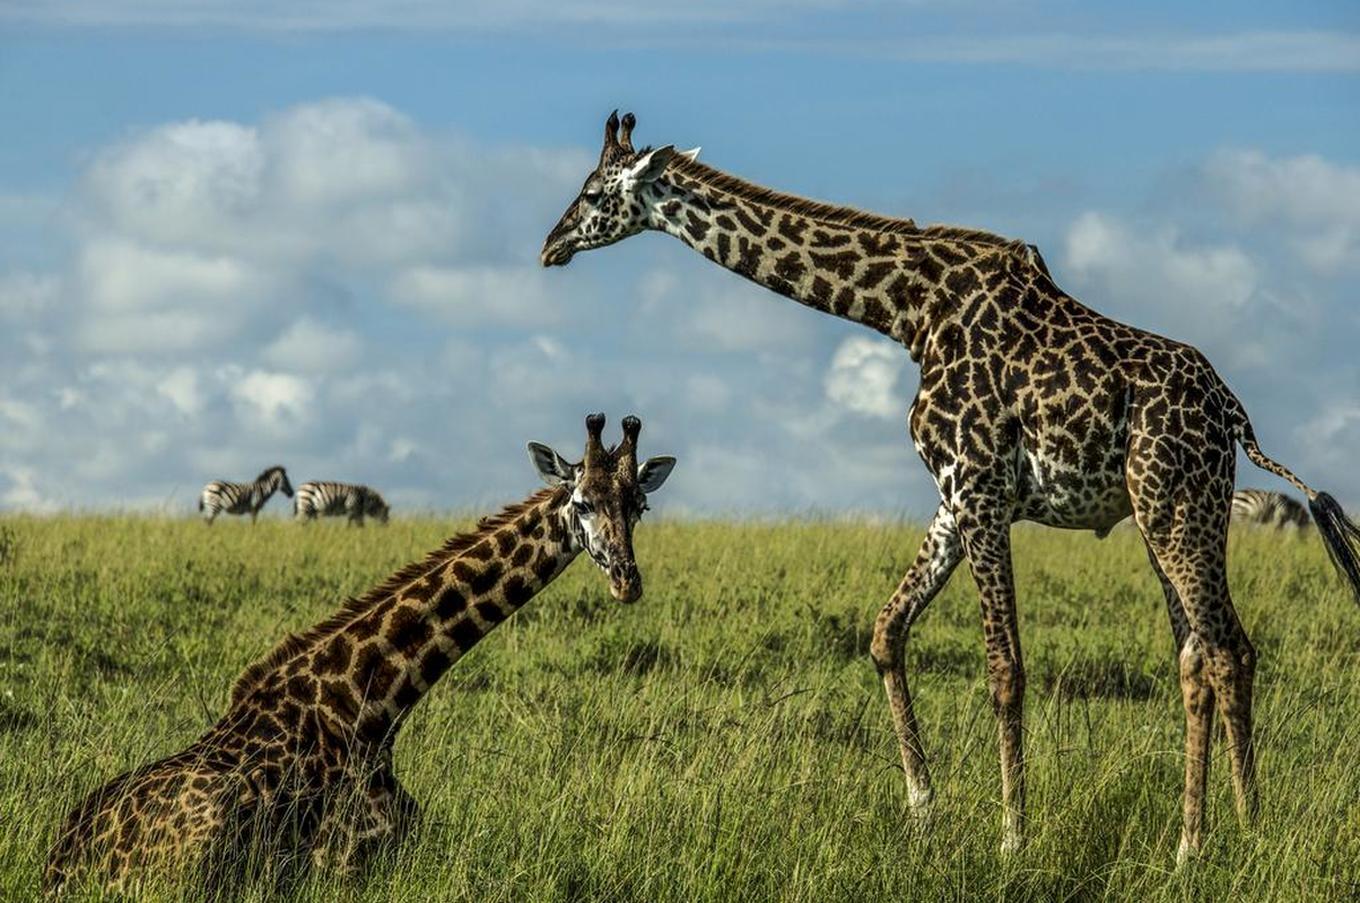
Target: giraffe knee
[
  {"x": 890, "y": 637},
  {"x": 1006, "y": 680},
  {"x": 1191, "y": 661}
]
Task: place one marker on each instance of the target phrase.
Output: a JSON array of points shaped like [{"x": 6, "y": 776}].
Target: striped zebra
[
  {"x": 1263, "y": 508},
  {"x": 242, "y": 498},
  {"x": 325, "y": 499}
]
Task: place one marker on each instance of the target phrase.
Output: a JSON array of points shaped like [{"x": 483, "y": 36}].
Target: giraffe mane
[
  {"x": 355, "y": 606},
  {"x": 829, "y": 214}
]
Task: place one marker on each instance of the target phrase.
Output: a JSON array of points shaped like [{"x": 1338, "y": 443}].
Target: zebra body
[
  {"x": 1263, "y": 508},
  {"x": 242, "y": 498},
  {"x": 328, "y": 499}
]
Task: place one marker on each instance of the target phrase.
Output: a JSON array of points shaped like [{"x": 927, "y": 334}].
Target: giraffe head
[
  {"x": 607, "y": 493},
  {"x": 277, "y": 476},
  {"x": 612, "y": 204}
]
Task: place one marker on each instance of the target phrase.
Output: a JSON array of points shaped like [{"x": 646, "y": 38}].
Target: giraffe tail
[{"x": 1339, "y": 533}]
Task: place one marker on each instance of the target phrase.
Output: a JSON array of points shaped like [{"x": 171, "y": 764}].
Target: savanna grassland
[{"x": 725, "y": 738}]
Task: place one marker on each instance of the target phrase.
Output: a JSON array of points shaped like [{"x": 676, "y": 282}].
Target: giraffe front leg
[
  {"x": 939, "y": 554},
  {"x": 989, "y": 556},
  {"x": 361, "y": 820}
]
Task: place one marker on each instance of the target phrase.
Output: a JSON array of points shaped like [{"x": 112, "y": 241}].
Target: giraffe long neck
[
  {"x": 885, "y": 273},
  {"x": 425, "y": 618}
]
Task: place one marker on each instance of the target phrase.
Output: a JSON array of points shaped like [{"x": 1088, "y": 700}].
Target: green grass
[{"x": 725, "y": 738}]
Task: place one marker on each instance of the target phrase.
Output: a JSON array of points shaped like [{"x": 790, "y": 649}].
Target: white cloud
[
  {"x": 345, "y": 150},
  {"x": 707, "y": 393},
  {"x": 470, "y": 295},
  {"x": 1155, "y": 267},
  {"x": 124, "y": 277},
  {"x": 24, "y": 295},
  {"x": 280, "y": 401},
  {"x": 314, "y": 347},
  {"x": 19, "y": 490},
  {"x": 712, "y": 310},
  {"x": 233, "y": 299},
  {"x": 1319, "y": 201},
  {"x": 183, "y": 182},
  {"x": 181, "y": 386},
  {"x": 863, "y": 376}
]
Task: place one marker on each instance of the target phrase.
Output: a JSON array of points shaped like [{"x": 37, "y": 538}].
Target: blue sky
[{"x": 234, "y": 234}]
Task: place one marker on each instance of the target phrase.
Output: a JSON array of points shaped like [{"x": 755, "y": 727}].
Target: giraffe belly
[{"x": 1090, "y": 495}]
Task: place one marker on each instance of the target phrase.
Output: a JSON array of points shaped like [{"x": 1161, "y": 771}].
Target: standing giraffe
[
  {"x": 1031, "y": 407},
  {"x": 304, "y": 751}
]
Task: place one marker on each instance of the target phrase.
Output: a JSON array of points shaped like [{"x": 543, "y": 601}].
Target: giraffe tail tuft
[{"x": 1341, "y": 535}]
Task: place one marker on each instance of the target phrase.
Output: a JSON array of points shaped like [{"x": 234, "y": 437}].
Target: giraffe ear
[
  {"x": 653, "y": 472},
  {"x": 649, "y": 166},
  {"x": 551, "y": 466}
]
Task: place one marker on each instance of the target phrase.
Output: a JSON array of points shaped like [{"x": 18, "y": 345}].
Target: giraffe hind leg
[
  {"x": 987, "y": 545},
  {"x": 1182, "y": 511},
  {"x": 1197, "y": 696}
]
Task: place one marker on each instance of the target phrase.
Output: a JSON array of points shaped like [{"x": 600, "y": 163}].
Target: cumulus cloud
[
  {"x": 279, "y": 401},
  {"x": 713, "y": 310},
  {"x": 863, "y": 376},
  {"x": 314, "y": 347},
  {"x": 24, "y": 295},
  {"x": 340, "y": 289},
  {"x": 19, "y": 490},
  {"x": 1314, "y": 201},
  {"x": 465, "y": 295},
  {"x": 1158, "y": 264},
  {"x": 1154, "y": 276},
  {"x": 181, "y": 386}
]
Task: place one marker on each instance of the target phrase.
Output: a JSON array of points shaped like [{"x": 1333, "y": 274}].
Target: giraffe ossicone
[
  {"x": 1031, "y": 406},
  {"x": 302, "y": 759}
]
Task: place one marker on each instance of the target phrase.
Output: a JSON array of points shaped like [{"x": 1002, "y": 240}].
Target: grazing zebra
[
  {"x": 324, "y": 499},
  {"x": 242, "y": 498},
  {"x": 1263, "y": 508}
]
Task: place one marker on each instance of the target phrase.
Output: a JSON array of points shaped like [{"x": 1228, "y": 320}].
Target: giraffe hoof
[
  {"x": 1186, "y": 852},
  {"x": 921, "y": 800}
]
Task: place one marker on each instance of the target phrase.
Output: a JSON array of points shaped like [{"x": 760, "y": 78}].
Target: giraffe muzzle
[
  {"x": 556, "y": 254},
  {"x": 625, "y": 583}
]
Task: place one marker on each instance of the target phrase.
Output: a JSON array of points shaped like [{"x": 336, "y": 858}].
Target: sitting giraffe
[
  {"x": 305, "y": 748},
  {"x": 1031, "y": 407}
]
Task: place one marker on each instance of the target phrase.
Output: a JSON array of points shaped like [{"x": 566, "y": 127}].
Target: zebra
[
  {"x": 242, "y": 498},
  {"x": 1263, "y": 508},
  {"x": 323, "y": 498}
]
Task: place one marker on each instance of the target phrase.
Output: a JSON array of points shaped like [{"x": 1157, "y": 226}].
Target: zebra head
[
  {"x": 276, "y": 478},
  {"x": 376, "y": 506},
  {"x": 607, "y": 493}
]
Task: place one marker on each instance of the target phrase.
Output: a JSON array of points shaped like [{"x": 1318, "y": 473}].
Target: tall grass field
[{"x": 725, "y": 738}]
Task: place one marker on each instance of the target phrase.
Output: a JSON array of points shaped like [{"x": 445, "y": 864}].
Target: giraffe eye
[
  {"x": 593, "y": 194},
  {"x": 583, "y": 508}
]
